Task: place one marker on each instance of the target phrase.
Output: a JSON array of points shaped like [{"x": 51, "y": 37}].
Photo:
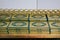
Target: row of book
[{"x": 30, "y": 22}]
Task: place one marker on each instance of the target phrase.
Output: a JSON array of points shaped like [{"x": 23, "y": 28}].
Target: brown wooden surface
[{"x": 29, "y": 35}]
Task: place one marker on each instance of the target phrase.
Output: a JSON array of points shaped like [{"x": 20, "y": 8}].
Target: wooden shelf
[{"x": 29, "y": 35}]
